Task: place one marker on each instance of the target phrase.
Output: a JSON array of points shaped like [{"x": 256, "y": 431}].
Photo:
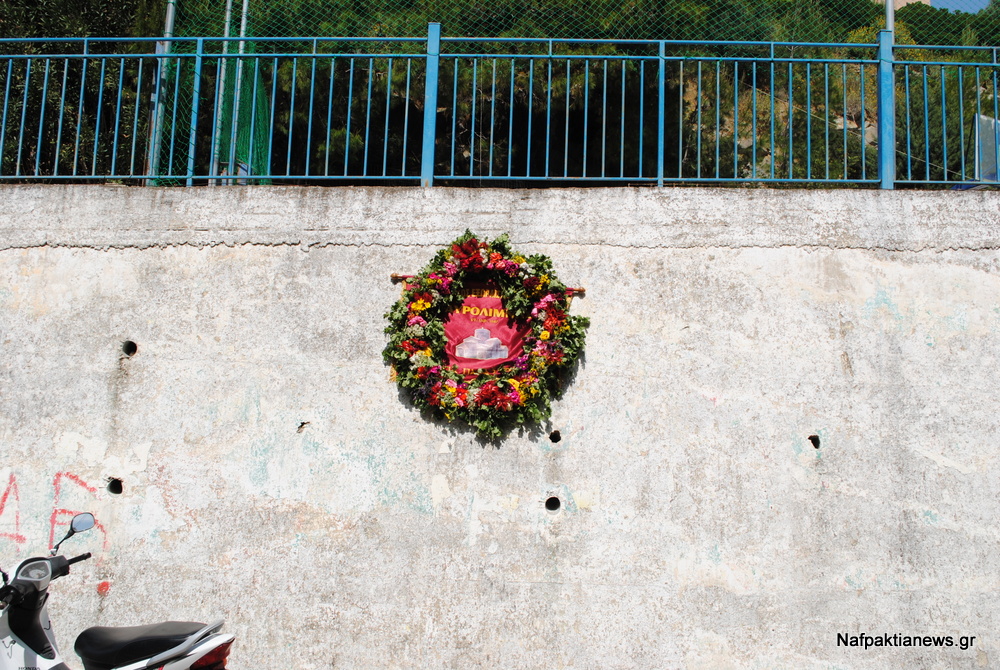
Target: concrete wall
[{"x": 272, "y": 475}]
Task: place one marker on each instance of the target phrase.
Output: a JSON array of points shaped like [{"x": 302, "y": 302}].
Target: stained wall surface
[{"x": 272, "y": 474}]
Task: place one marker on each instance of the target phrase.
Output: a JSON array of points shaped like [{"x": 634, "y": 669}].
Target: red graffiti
[
  {"x": 104, "y": 588},
  {"x": 60, "y": 516},
  {"x": 61, "y": 512},
  {"x": 12, "y": 489}
]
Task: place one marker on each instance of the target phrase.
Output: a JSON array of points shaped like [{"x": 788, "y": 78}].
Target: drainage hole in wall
[
  {"x": 115, "y": 486},
  {"x": 553, "y": 504},
  {"x": 129, "y": 348},
  {"x": 555, "y": 436},
  {"x": 814, "y": 439}
]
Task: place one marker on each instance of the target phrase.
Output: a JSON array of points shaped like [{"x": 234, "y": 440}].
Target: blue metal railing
[{"x": 319, "y": 110}]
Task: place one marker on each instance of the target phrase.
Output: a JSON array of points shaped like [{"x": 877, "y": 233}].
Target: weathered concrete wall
[{"x": 272, "y": 474}]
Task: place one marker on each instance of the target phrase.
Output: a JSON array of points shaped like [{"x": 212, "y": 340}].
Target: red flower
[
  {"x": 467, "y": 255},
  {"x": 490, "y": 395},
  {"x": 413, "y": 346},
  {"x": 434, "y": 396}
]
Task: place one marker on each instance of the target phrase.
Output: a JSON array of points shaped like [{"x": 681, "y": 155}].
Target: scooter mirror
[{"x": 82, "y": 522}]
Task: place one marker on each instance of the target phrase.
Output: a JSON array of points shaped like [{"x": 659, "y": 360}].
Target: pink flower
[
  {"x": 416, "y": 321},
  {"x": 542, "y": 304},
  {"x": 450, "y": 268}
]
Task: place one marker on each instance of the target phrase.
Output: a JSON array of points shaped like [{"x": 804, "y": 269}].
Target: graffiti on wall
[{"x": 63, "y": 484}]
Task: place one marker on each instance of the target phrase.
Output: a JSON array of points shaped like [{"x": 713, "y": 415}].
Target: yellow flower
[
  {"x": 544, "y": 335},
  {"x": 518, "y": 259},
  {"x": 419, "y": 305},
  {"x": 425, "y": 352},
  {"x": 515, "y": 384},
  {"x": 544, "y": 279}
]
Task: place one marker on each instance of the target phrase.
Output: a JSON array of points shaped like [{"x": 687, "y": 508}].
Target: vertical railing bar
[
  {"x": 253, "y": 117},
  {"x": 961, "y": 120},
  {"x": 24, "y": 113},
  {"x": 944, "y": 125},
  {"x": 79, "y": 117},
  {"x": 274, "y": 118},
  {"x": 566, "y": 130},
  {"x": 385, "y": 132},
  {"x": 368, "y": 118},
  {"x": 173, "y": 116},
  {"x": 604, "y": 120},
  {"x": 454, "y": 115},
  {"x": 979, "y": 112},
  {"x": 718, "y": 118},
  {"x": 736, "y": 119},
  {"x": 927, "y": 129},
  {"x": 791, "y": 120},
  {"x": 774, "y": 85},
  {"x": 661, "y": 110},
  {"x": 680, "y": 120},
  {"x": 293, "y": 87},
  {"x": 6, "y": 102},
  {"x": 431, "y": 76},
  {"x": 234, "y": 166},
  {"x": 350, "y": 105},
  {"x": 642, "y": 112},
  {"x": 196, "y": 100},
  {"x": 493, "y": 114},
  {"x": 548, "y": 112},
  {"x": 329, "y": 117},
  {"x": 510, "y": 121},
  {"x": 216, "y": 136},
  {"x": 886, "y": 117},
  {"x": 808, "y": 120},
  {"x": 41, "y": 116},
  {"x": 531, "y": 109},
  {"x": 312, "y": 106},
  {"x": 621, "y": 135},
  {"x": 97, "y": 123},
  {"x": 909, "y": 127},
  {"x": 118, "y": 116},
  {"x": 753, "y": 126},
  {"x": 698, "y": 102},
  {"x": 996, "y": 121},
  {"x": 406, "y": 116},
  {"x": 864, "y": 126},
  {"x": 826, "y": 117},
  {"x": 843, "y": 99},
  {"x": 586, "y": 114},
  {"x": 472, "y": 122},
  {"x": 135, "y": 118},
  {"x": 62, "y": 115}
]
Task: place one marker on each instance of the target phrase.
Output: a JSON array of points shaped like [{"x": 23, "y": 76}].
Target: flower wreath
[{"x": 494, "y": 399}]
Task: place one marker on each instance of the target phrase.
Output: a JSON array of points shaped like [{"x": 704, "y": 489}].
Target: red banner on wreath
[{"x": 479, "y": 334}]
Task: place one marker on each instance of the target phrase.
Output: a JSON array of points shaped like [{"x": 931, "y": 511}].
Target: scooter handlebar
[{"x": 81, "y": 557}]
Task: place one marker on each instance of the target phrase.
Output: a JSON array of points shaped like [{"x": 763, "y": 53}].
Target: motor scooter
[{"x": 27, "y": 641}]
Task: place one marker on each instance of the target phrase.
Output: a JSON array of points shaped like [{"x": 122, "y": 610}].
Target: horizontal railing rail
[{"x": 190, "y": 111}]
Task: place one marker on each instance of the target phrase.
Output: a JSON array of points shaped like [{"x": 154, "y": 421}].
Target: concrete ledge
[{"x": 122, "y": 217}]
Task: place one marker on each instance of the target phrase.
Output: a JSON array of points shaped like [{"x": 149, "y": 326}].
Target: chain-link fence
[{"x": 952, "y": 22}]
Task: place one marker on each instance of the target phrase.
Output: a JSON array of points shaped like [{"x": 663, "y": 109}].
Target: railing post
[
  {"x": 195, "y": 99},
  {"x": 430, "y": 104},
  {"x": 886, "y": 111},
  {"x": 661, "y": 116}
]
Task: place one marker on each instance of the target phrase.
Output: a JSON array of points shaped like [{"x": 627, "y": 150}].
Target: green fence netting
[{"x": 953, "y": 22}]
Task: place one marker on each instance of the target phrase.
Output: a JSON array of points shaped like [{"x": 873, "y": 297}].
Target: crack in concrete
[{"x": 306, "y": 246}]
